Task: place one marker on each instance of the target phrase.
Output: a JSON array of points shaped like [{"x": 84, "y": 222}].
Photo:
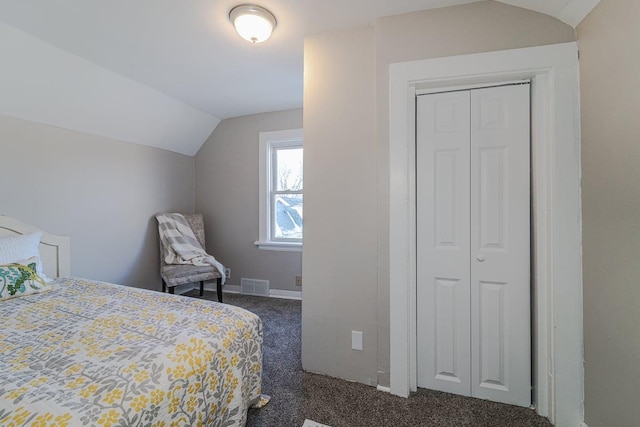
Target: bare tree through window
[{"x": 287, "y": 199}]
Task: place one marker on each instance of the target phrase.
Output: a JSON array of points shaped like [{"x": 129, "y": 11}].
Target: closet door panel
[
  {"x": 500, "y": 244},
  {"x": 443, "y": 242}
]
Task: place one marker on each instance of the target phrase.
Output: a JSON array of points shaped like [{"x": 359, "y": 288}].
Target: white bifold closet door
[{"x": 473, "y": 243}]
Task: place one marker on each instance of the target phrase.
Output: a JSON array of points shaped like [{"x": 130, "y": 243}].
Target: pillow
[
  {"x": 20, "y": 278},
  {"x": 21, "y": 247}
]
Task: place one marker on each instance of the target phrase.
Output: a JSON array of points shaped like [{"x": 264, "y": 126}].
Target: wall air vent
[{"x": 254, "y": 287}]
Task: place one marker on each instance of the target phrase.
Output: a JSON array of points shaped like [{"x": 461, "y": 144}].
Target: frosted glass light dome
[{"x": 253, "y": 23}]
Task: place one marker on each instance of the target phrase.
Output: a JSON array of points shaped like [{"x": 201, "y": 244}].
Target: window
[{"x": 281, "y": 184}]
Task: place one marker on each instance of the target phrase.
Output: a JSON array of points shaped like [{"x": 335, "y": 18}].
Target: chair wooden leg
[
  {"x": 219, "y": 288},
  {"x": 164, "y": 286},
  {"x": 201, "y": 287}
]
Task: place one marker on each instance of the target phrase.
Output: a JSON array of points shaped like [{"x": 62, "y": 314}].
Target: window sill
[{"x": 279, "y": 246}]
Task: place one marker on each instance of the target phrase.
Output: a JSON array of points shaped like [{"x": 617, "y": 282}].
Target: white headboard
[{"x": 55, "y": 251}]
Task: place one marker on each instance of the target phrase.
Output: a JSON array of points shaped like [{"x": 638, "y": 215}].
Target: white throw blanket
[{"x": 181, "y": 245}]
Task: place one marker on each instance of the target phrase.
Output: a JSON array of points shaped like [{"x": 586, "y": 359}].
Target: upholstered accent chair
[{"x": 174, "y": 275}]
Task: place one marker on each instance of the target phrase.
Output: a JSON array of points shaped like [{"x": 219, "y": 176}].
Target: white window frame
[{"x": 267, "y": 142}]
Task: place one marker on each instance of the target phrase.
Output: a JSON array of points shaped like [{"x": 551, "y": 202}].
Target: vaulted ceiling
[{"x": 165, "y": 72}]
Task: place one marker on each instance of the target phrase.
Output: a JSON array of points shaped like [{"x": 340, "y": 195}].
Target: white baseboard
[
  {"x": 383, "y": 388},
  {"x": 235, "y": 289},
  {"x": 227, "y": 289},
  {"x": 280, "y": 293},
  {"x": 183, "y": 289}
]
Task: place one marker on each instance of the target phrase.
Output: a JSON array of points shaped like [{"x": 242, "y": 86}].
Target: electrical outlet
[
  {"x": 227, "y": 272},
  {"x": 298, "y": 280},
  {"x": 356, "y": 340}
]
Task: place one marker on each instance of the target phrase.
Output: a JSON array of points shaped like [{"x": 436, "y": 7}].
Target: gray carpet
[{"x": 296, "y": 395}]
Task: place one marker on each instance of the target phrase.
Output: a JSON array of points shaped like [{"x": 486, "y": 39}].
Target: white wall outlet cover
[{"x": 356, "y": 340}]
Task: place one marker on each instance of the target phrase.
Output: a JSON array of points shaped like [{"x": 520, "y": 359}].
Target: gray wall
[
  {"x": 346, "y": 265},
  {"x": 340, "y": 236},
  {"x": 227, "y": 196},
  {"x": 610, "y": 97},
  {"x": 100, "y": 192}
]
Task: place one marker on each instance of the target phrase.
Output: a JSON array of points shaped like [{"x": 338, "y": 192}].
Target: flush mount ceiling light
[{"x": 253, "y": 23}]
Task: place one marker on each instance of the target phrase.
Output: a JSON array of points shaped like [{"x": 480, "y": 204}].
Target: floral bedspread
[{"x": 96, "y": 354}]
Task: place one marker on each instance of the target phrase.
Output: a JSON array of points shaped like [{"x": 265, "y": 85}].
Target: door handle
[{"x": 481, "y": 258}]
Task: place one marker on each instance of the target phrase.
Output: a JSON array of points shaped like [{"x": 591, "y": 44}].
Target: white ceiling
[{"x": 180, "y": 54}]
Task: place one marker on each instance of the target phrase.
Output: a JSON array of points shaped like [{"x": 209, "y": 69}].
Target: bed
[{"x": 82, "y": 352}]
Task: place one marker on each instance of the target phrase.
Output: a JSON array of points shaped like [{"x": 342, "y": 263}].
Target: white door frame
[{"x": 556, "y": 209}]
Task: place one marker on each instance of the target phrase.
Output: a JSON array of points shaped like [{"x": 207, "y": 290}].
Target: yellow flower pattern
[
  {"x": 113, "y": 396},
  {"x": 121, "y": 356},
  {"x": 139, "y": 403},
  {"x": 108, "y": 418}
]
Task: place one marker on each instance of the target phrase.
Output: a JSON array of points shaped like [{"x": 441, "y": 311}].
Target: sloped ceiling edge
[
  {"x": 571, "y": 12},
  {"x": 45, "y": 84},
  {"x": 576, "y": 10}
]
